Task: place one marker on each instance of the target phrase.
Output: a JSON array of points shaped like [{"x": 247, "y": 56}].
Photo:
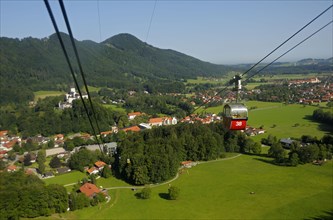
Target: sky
[{"x": 219, "y": 31}]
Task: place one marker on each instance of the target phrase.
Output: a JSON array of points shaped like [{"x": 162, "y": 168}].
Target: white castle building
[{"x": 69, "y": 98}]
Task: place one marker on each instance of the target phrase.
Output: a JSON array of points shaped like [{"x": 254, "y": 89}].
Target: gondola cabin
[{"x": 235, "y": 116}]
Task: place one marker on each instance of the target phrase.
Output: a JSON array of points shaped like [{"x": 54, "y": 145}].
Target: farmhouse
[
  {"x": 90, "y": 190},
  {"x": 286, "y": 142},
  {"x": 100, "y": 165},
  {"x": 11, "y": 168},
  {"x": 92, "y": 170},
  {"x": 156, "y": 121},
  {"x": 132, "y": 128},
  {"x": 188, "y": 164},
  {"x": 132, "y": 115}
]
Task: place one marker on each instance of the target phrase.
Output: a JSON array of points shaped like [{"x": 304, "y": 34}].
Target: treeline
[
  {"x": 47, "y": 120},
  {"x": 276, "y": 93},
  {"x": 322, "y": 116},
  {"x": 308, "y": 149},
  {"x": 157, "y": 104},
  {"x": 27, "y": 196},
  {"x": 154, "y": 155}
]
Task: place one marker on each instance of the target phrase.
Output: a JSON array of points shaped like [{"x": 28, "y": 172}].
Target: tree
[
  {"x": 41, "y": 158},
  {"x": 106, "y": 172},
  {"x": 50, "y": 144},
  {"x": 55, "y": 162},
  {"x": 27, "y": 160},
  {"x": 93, "y": 178},
  {"x": 78, "y": 201},
  {"x": 58, "y": 197},
  {"x": 277, "y": 152},
  {"x": 293, "y": 159},
  {"x": 256, "y": 148},
  {"x": 145, "y": 193},
  {"x": 81, "y": 159},
  {"x": 173, "y": 192},
  {"x": 309, "y": 153},
  {"x": 69, "y": 145}
]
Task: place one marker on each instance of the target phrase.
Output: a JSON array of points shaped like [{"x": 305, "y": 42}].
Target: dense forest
[
  {"x": 27, "y": 196},
  {"x": 154, "y": 155},
  {"x": 47, "y": 120}
]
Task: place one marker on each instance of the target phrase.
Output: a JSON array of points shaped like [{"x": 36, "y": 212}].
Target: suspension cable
[
  {"x": 287, "y": 40},
  {"x": 70, "y": 65},
  {"x": 80, "y": 67}
]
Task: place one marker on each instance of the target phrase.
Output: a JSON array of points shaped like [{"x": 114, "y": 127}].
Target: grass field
[
  {"x": 201, "y": 80},
  {"x": 222, "y": 190},
  {"x": 93, "y": 89},
  {"x": 67, "y": 178},
  {"x": 43, "y": 94},
  {"x": 282, "y": 120},
  {"x": 115, "y": 107}
]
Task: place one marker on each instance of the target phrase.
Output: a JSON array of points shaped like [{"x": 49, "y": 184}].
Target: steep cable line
[{"x": 71, "y": 68}]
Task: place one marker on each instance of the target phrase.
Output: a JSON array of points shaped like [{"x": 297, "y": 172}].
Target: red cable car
[{"x": 235, "y": 116}]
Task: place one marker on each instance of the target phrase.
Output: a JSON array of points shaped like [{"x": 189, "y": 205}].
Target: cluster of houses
[
  {"x": 97, "y": 168},
  {"x": 309, "y": 91},
  {"x": 7, "y": 142},
  {"x": 304, "y": 81},
  {"x": 322, "y": 92}
]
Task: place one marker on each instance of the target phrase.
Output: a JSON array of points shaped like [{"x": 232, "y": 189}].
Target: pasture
[
  {"x": 67, "y": 178},
  {"x": 44, "y": 94},
  {"x": 114, "y": 107},
  {"x": 222, "y": 190},
  {"x": 281, "y": 120},
  {"x": 203, "y": 80}
]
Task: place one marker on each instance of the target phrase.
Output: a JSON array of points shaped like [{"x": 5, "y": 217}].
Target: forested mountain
[{"x": 122, "y": 61}]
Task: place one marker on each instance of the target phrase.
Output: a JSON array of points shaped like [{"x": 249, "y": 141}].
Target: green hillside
[{"x": 122, "y": 61}]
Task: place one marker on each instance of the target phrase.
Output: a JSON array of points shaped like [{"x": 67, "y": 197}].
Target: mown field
[
  {"x": 43, "y": 94},
  {"x": 115, "y": 107},
  {"x": 222, "y": 190}
]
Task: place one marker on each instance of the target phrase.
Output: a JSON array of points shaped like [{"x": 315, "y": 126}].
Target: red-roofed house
[
  {"x": 188, "y": 164},
  {"x": 11, "y": 168},
  {"x": 106, "y": 133},
  {"x": 156, "y": 121},
  {"x": 132, "y": 115},
  {"x": 170, "y": 121},
  {"x": 90, "y": 190},
  {"x": 58, "y": 137},
  {"x": 133, "y": 128},
  {"x": 3, "y": 133},
  {"x": 92, "y": 170},
  {"x": 100, "y": 165}
]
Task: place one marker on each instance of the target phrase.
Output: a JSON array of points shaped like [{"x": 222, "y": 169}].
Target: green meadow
[
  {"x": 115, "y": 107},
  {"x": 93, "y": 89},
  {"x": 67, "y": 178},
  {"x": 43, "y": 94},
  {"x": 282, "y": 120},
  {"x": 246, "y": 187},
  {"x": 202, "y": 80}
]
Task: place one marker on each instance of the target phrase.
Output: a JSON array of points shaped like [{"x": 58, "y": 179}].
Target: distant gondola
[{"x": 235, "y": 116}]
